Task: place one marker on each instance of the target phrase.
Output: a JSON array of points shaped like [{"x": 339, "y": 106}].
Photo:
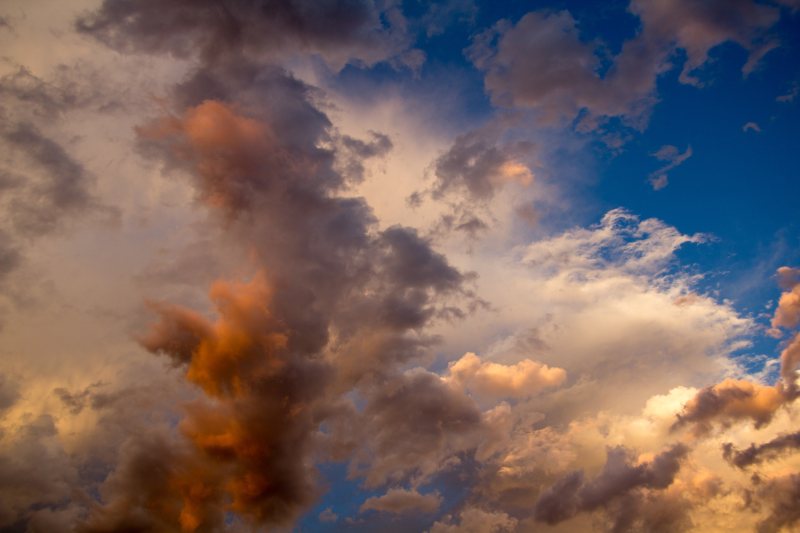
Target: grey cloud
[
  {"x": 339, "y": 304},
  {"x": 730, "y": 401},
  {"x": 62, "y": 191},
  {"x": 699, "y": 27},
  {"x": 618, "y": 478},
  {"x": 357, "y": 151},
  {"x": 44, "y": 188},
  {"x": 755, "y": 454},
  {"x": 783, "y": 494},
  {"x": 35, "y": 472},
  {"x": 446, "y": 421},
  {"x": 673, "y": 157},
  {"x": 9, "y": 393},
  {"x": 75, "y": 402},
  {"x": 560, "y": 501},
  {"x": 338, "y": 30},
  {"x": 140, "y": 494},
  {"x": 478, "y": 164},
  {"x": 542, "y": 63},
  {"x": 10, "y": 255}
]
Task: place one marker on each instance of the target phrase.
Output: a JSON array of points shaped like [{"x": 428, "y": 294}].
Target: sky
[{"x": 396, "y": 265}]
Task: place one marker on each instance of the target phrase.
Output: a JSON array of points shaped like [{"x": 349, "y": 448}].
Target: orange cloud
[{"x": 522, "y": 379}]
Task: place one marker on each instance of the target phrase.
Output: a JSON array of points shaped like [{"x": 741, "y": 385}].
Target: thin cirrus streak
[{"x": 290, "y": 265}]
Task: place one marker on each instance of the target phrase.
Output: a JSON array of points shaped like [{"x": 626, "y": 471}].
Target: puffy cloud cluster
[
  {"x": 339, "y": 31},
  {"x": 787, "y": 315},
  {"x": 542, "y": 61},
  {"x": 519, "y": 380},
  {"x": 572, "y": 494}
]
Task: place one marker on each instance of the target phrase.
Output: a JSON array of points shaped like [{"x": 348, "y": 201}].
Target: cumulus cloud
[
  {"x": 572, "y": 493},
  {"x": 787, "y": 314},
  {"x": 730, "y": 401},
  {"x": 542, "y": 62},
  {"x": 521, "y": 379}
]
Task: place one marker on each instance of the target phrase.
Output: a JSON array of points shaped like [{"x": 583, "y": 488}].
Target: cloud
[
  {"x": 782, "y": 493},
  {"x": 442, "y": 15},
  {"x": 788, "y": 277},
  {"x": 325, "y": 335},
  {"x": 401, "y": 501},
  {"x": 338, "y": 31},
  {"x": 790, "y": 359},
  {"x": 479, "y": 164},
  {"x": 756, "y": 454},
  {"x": 572, "y": 493},
  {"x": 731, "y": 401},
  {"x": 787, "y": 314},
  {"x": 44, "y": 187},
  {"x": 336, "y": 307},
  {"x": 751, "y": 126},
  {"x": 35, "y": 472},
  {"x": 542, "y": 62},
  {"x": 698, "y": 28},
  {"x": 485, "y": 378},
  {"x": 475, "y": 520},
  {"x": 328, "y": 516},
  {"x": 734, "y": 400},
  {"x": 399, "y": 447},
  {"x": 252, "y": 440},
  {"x": 673, "y": 157},
  {"x": 9, "y": 393}
]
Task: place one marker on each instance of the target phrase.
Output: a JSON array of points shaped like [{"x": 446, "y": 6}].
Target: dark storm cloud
[
  {"x": 35, "y": 473},
  {"x": 338, "y": 304},
  {"x": 338, "y": 30},
  {"x": 757, "y": 453},
  {"x": 573, "y": 494}
]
